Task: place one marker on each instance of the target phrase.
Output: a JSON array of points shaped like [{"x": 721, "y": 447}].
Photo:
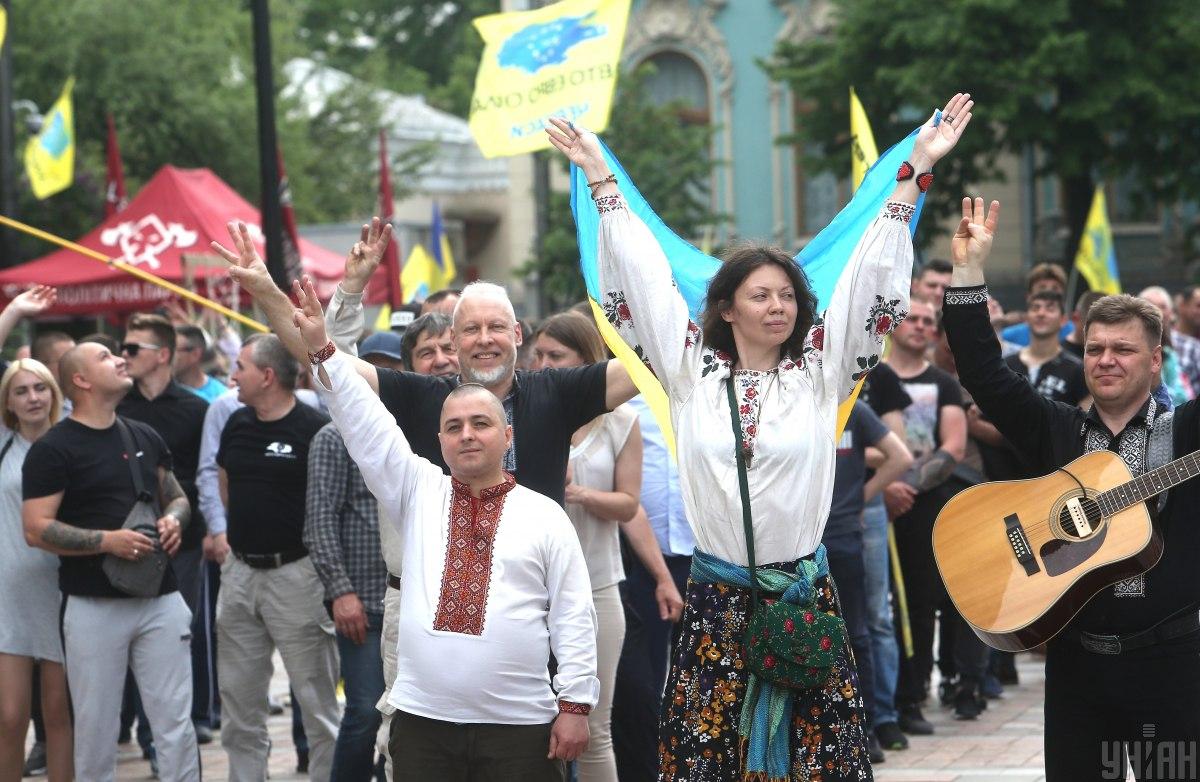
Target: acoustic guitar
[{"x": 1020, "y": 558}]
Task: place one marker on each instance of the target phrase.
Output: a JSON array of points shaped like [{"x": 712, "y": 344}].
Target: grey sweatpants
[
  {"x": 387, "y": 644},
  {"x": 257, "y": 612},
  {"x": 153, "y": 636}
]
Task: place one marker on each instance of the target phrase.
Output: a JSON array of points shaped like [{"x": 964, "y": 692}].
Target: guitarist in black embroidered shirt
[{"x": 1126, "y": 669}]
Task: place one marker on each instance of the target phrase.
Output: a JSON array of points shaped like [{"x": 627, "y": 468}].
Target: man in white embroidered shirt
[{"x": 494, "y": 581}]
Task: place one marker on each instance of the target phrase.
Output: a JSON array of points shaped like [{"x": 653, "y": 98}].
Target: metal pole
[
  {"x": 272, "y": 214},
  {"x": 1029, "y": 211},
  {"x": 8, "y": 165},
  {"x": 541, "y": 198}
]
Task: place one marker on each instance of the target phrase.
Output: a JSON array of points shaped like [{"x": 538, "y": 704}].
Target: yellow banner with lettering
[{"x": 557, "y": 61}]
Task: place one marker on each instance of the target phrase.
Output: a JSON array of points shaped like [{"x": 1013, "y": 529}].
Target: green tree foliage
[
  {"x": 1101, "y": 88},
  {"x": 424, "y": 47},
  {"x": 179, "y": 81},
  {"x": 669, "y": 159}
]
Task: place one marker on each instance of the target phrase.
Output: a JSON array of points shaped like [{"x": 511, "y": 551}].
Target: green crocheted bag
[{"x": 793, "y": 646}]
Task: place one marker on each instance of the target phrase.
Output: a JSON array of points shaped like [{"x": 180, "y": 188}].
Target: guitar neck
[{"x": 1149, "y": 484}]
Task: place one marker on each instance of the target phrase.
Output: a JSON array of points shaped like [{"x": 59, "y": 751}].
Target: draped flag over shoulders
[
  {"x": 823, "y": 259},
  {"x": 1097, "y": 258},
  {"x": 50, "y": 155}
]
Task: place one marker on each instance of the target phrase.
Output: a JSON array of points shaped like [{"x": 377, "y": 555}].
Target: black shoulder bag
[{"x": 141, "y": 577}]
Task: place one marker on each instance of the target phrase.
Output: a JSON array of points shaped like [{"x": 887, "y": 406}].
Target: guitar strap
[{"x": 1161, "y": 447}]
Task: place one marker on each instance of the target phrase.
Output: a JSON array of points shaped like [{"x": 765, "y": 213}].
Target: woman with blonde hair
[{"x": 32, "y": 403}]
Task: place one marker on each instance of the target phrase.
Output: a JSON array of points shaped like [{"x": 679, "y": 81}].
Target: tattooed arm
[
  {"x": 930, "y": 471},
  {"x": 44, "y": 531},
  {"x": 177, "y": 511}
]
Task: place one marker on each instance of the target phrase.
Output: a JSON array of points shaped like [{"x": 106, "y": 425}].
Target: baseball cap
[{"x": 384, "y": 343}]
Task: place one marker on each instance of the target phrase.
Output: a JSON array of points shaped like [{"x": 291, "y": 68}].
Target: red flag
[
  {"x": 114, "y": 188},
  {"x": 391, "y": 256},
  {"x": 291, "y": 237}
]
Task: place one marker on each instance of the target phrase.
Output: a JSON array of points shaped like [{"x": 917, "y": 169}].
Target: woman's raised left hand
[{"x": 935, "y": 141}]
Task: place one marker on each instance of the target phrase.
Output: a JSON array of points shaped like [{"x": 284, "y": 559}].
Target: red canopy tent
[{"x": 166, "y": 231}]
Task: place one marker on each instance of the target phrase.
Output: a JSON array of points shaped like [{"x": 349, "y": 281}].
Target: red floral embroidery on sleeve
[{"x": 567, "y": 707}]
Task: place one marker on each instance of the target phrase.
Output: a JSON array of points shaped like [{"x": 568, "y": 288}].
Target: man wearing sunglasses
[{"x": 177, "y": 415}]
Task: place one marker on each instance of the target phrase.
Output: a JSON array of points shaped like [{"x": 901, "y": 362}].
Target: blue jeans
[
  {"x": 885, "y": 654},
  {"x": 362, "y": 672}
]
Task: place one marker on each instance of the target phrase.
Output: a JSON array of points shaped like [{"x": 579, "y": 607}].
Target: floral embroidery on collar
[
  {"x": 462, "y": 599},
  {"x": 750, "y": 386}
]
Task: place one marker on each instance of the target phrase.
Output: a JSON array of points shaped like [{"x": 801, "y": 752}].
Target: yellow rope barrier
[{"x": 134, "y": 271}]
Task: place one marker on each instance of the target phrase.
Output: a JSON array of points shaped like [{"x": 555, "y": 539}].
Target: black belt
[
  {"x": 271, "y": 561},
  {"x": 1163, "y": 631},
  {"x": 393, "y": 581}
]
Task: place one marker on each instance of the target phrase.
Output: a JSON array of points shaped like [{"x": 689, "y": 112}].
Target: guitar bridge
[
  {"x": 1078, "y": 516},
  {"x": 1020, "y": 544}
]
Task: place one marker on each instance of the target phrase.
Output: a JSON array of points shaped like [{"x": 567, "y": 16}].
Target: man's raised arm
[
  {"x": 1006, "y": 398},
  {"x": 247, "y": 269}
]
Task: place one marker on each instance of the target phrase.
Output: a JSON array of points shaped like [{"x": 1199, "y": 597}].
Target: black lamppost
[
  {"x": 272, "y": 214},
  {"x": 8, "y": 170}
]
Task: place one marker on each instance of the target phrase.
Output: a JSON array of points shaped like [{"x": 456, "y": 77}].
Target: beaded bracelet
[
  {"x": 322, "y": 355},
  {"x": 593, "y": 185}
]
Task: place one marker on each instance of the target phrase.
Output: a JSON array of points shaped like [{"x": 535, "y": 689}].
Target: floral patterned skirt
[{"x": 698, "y": 735}]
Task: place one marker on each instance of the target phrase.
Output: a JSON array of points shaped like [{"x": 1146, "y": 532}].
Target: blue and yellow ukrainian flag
[
  {"x": 50, "y": 155},
  {"x": 823, "y": 259},
  {"x": 1097, "y": 258},
  {"x": 443, "y": 256}
]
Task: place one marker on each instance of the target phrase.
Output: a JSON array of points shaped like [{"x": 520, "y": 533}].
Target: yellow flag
[
  {"x": 384, "y": 321},
  {"x": 556, "y": 61},
  {"x": 1097, "y": 259},
  {"x": 3, "y": 25},
  {"x": 863, "y": 153},
  {"x": 420, "y": 275},
  {"x": 50, "y": 155}
]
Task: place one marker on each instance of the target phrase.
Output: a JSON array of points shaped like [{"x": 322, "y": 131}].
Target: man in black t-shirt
[
  {"x": 177, "y": 415},
  {"x": 78, "y": 490},
  {"x": 936, "y": 432},
  {"x": 271, "y": 596}
]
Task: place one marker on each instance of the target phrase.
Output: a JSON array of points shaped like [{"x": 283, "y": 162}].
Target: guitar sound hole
[{"x": 1090, "y": 509}]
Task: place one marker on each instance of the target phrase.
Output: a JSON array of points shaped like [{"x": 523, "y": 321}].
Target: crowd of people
[{"x": 477, "y": 527}]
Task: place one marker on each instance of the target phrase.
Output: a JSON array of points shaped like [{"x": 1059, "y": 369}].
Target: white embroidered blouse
[
  {"x": 788, "y": 414},
  {"x": 492, "y": 585}
]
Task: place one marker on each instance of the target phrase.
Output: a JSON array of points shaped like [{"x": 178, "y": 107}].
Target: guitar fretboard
[{"x": 1149, "y": 484}]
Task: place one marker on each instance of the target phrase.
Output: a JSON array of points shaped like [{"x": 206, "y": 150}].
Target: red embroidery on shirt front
[{"x": 462, "y": 601}]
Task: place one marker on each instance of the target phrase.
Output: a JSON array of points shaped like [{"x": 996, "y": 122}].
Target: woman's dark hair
[{"x": 738, "y": 264}]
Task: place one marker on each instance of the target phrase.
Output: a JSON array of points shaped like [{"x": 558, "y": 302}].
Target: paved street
[{"x": 1003, "y": 745}]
